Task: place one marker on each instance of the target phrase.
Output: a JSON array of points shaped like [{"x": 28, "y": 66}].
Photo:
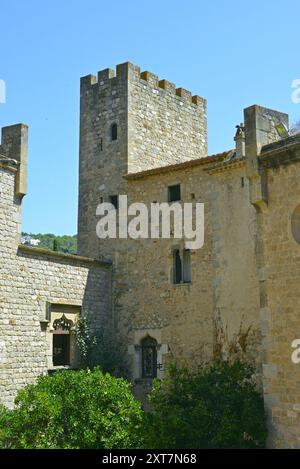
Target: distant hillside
[{"x": 67, "y": 244}]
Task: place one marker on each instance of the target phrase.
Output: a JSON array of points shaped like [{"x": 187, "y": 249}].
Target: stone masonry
[
  {"x": 139, "y": 137},
  {"x": 226, "y": 309},
  {"x": 36, "y": 284}
]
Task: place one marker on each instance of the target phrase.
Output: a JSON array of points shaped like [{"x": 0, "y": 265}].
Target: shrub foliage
[
  {"x": 73, "y": 409},
  {"x": 216, "y": 407}
]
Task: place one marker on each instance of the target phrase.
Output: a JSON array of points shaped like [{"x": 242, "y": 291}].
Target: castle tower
[{"x": 129, "y": 123}]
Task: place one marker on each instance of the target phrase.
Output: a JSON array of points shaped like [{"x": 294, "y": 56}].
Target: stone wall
[
  {"x": 165, "y": 125},
  {"x": 158, "y": 125},
  {"x": 280, "y": 276},
  {"x": 235, "y": 284},
  {"x": 162, "y": 141},
  {"x": 102, "y": 161},
  {"x": 150, "y": 301},
  {"x": 31, "y": 280},
  {"x": 272, "y": 167},
  {"x": 221, "y": 304}
]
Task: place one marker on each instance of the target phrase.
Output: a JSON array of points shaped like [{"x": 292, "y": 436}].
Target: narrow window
[
  {"x": 101, "y": 144},
  {"x": 149, "y": 358},
  {"x": 187, "y": 266},
  {"x": 114, "y": 132},
  {"x": 174, "y": 193},
  {"x": 114, "y": 199},
  {"x": 176, "y": 266}
]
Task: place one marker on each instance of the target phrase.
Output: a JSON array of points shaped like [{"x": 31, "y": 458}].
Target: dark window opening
[
  {"x": 114, "y": 199},
  {"x": 61, "y": 341},
  {"x": 101, "y": 144},
  {"x": 187, "y": 266},
  {"x": 149, "y": 358},
  {"x": 174, "y": 193},
  {"x": 182, "y": 266},
  {"x": 61, "y": 349},
  {"x": 177, "y": 266},
  {"x": 114, "y": 132}
]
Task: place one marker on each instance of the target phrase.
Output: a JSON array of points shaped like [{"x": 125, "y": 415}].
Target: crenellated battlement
[
  {"x": 129, "y": 71},
  {"x": 155, "y": 124}
]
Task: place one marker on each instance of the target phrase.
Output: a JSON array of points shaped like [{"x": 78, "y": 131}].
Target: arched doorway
[{"x": 149, "y": 357}]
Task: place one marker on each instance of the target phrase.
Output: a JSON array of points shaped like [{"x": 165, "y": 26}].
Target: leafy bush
[
  {"x": 73, "y": 409},
  {"x": 4, "y": 419},
  {"x": 216, "y": 407}
]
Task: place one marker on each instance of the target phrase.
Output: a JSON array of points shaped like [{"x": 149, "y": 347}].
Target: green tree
[
  {"x": 74, "y": 409},
  {"x": 215, "y": 407},
  {"x": 66, "y": 243}
]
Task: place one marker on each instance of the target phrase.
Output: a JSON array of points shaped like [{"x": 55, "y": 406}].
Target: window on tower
[
  {"x": 182, "y": 266},
  {"x": 114, "y": 132},
  {"x": 186, "y": 266},
  {"x": 177, "y": 268},
  {"x": 114, "y": 200},
  {"x": 174, "y": 193}
]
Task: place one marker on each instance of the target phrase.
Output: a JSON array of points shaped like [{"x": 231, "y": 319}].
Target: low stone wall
[{"x": 30, "y": 281}]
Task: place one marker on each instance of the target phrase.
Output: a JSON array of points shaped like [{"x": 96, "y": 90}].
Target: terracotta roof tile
[{"x": 220, "y": 157}]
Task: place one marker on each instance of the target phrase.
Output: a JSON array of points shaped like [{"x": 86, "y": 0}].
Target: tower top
[{"x": 129, "y": 71}]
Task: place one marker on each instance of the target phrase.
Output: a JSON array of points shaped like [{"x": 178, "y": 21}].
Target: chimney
[{"x": 239, "y": 139}]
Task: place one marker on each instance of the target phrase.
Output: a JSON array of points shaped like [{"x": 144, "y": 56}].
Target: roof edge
[
  {"x": 219, "y": 157},
  {"x": 61, "y": 255}
]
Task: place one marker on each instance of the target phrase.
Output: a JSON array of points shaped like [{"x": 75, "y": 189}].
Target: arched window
[
  {"x": 149, "y": 357},
  {"x": 114, "y": 132}
]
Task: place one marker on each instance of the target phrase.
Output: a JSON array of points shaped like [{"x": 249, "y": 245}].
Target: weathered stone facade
[
  {"x": 140, "y": 136},
  {"x": 278, "y": 259},
  {"x": 226, "y": 308},
  {"x": 162, "y": 141},
  {"x": 37, "y": 286}
]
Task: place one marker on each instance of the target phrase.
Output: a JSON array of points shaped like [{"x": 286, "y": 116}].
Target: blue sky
[{"x": 233, "y": 53}]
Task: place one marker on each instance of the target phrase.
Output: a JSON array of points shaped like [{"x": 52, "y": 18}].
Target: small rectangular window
[
  {"x": 177, "y": 266},
  {"x": 61, "y": 349},
  {"x": 187, "y": 266},
  {"x": 114, "y": 199},
  {"x": 114, "y": 132},
  {"x": 174, "y": 193}
]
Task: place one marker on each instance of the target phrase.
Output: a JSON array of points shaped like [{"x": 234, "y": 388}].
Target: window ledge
[
  {"x": 182, "y": 284},
  {"x": 61, "y": 367}
]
